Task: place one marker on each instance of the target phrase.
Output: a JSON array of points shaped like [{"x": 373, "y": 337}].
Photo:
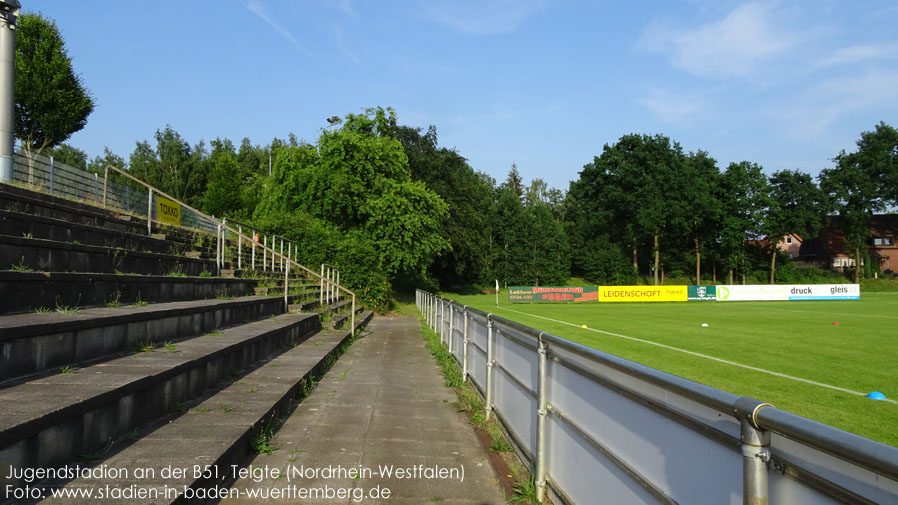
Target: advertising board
[
  {"x": 546, "y": 294},
  {"x": 167, "y": 211},
  {"x": 739, "y": 293},
  {"x": 643, "y": 293}
]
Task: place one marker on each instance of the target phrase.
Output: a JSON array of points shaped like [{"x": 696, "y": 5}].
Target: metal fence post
[
  {"x": 442, "y": 321},
  {"x": 489, "y": 365},
  {"x": 755, "y": 444},
  {"x": 239, "y": 246},
  {"x": 464, "y": 353},
  {"x": 352, "y": 316},
  {"x": 150, "y": 213},
  {"x": 540, "y": 464},
  {"x": 282, "y": 254},
  {"x": 52, "y": 166},
  {"x": 286, "y": 283},
  {"x": 218, "y": 248},
  {"x": 128, "y": 198},
  {"x": 96, "y": 187},
  {"x": 451, "y": 337},
  {"x": 253, "y": 251},
  {"x": 105, "y": 185},
  {"x": 321, "y": 297},
  {"x": 264, "y": 252}
]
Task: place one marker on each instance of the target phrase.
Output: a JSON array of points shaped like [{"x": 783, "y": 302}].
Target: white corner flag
[{"x": 497, "y": 292}]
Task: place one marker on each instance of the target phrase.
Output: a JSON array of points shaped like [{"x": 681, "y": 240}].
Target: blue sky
[{"x": 541, "y": 83}]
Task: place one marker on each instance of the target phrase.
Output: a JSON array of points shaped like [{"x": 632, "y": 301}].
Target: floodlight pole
[{"x": 9, "y": 12}]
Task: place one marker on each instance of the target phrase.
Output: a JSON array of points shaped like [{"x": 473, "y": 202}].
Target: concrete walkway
[{"x": 382, "y": 407}]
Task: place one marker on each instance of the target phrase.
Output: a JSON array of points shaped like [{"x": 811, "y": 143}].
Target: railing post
[
  {"x": 286, "y": 284},
  {"x": 352, "y": 317},
  {"x": 52, "y": 164},
  {"x": 264, "y": 252},
  {"x": 96, "y": 187},
  {"x": 253, "y": 251},
  {"x": 451, "y": 335},
  {"x": 464, "y": 353},
  {"x": 218, "y": 248},
  {"x": 150, "y": 213},
  {"x": 105, "y": 185},
  {"x": 541, "y": 412},
  {"x": 321, "y": 297},
  {"x": 281, "y": 258},
  {"x": 755, "y": 444},
  {"x": 489, "y": 366},
  {"x": 239, "y": 246},
  {"x": 128, "y": 198}
]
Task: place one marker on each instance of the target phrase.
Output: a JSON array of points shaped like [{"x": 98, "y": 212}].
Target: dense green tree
[
  {"x": 51, "y": 102},
  {"x": 514, "y": 182},
  {"x": 795, "y": 206},
  {"x": 745, "y": 200},
  {"x": 859, "y": 185},
  {"x": 173, "y": 166},
  {"x": 71, "y": 156},
  {"x": 702, "y": 199},
  {"x": 469, "y": 198}
]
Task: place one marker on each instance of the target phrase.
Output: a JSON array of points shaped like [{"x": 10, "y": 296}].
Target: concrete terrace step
[
  {"x": 215, "y": 433},
  {"x": 53, "y": 256},
  {"x": 27, "y": 291},
  {"x": 52, "y": 420},
  {"x": 35, "y": 343},
  {"x": 18, "y": 224},
  {"x": 41, "y": 204}
]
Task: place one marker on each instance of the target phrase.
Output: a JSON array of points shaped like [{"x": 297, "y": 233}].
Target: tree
[
  {"x": 795, "y": 206},
  {"x": 71, "y": 156},
  {"x": 514, "y": 181},
  {"x": 702, "y": 197},
  {"x": 745, "y": 199},
  {"x": 860, "y": 185},
  {"x": 51, "y": 103},
  {"x": 172, "y": 166}
]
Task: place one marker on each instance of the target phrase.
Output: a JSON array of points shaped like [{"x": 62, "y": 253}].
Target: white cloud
[
  {"x": 859, "y": 53},
  {"x": 674, "y": 108},
  {"x": 735, "y": 46},
  {"x": 480, "y": 17},
  {"x": 259, "y": 8},
  {"x": 830, "y": 101}
]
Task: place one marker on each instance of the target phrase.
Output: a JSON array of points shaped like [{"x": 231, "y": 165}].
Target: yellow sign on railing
[{"x": 167, "y": 211}]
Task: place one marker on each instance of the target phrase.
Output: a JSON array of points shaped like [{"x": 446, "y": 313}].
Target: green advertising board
[
  {"x": 701, "y": 293},
  {"x": 552, "y": 294}
]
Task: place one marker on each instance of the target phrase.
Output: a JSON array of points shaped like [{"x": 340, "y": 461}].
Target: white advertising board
[{"x": 762, "y": 292}]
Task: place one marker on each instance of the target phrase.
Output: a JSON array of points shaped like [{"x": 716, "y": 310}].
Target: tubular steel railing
[
  {"x": 221, "y": 226},
  {"x": 596, "y": 428}
]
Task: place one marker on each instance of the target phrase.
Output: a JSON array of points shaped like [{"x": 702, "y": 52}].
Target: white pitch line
[
  {"x": 827, "y": 313},
  {"x": 700, "y": 355}
]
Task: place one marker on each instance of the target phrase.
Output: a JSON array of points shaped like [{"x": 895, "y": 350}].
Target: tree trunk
[
  {"x": 698, "y": 265},
  {"x": 857, "y": 265},
  {"x": 743, "y": 269},
  {"x": 657, "y": 257},
  {"x": 635, "y": 261},
  {"x": 731, "y": 276},
  {"x": 713, "y": 273},
  {"x": 772, "y": 266}
]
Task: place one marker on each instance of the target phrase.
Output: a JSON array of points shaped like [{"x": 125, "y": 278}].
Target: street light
[
  {"x": 9, "y": 12},
  {"x": 334, "y": 121}
]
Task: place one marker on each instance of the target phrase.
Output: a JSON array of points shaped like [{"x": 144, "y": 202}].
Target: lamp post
[
  {"x": 9, "y": 12},
  {"x": 334, "y": 121}
]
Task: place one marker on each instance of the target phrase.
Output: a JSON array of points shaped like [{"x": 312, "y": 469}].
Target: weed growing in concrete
[
  {"x": 260, "y": 443},
  {"x": 205, "y": 273},
  {"x": 225, "y": 408},
  {"x": 139, "y": 302},
  {"x": 66, "y": 369},
  {"x": 178, "y": 271},
  {"x": 223, "y": 295},
  {"x": 176, "y": 408},
  {"x": 252, "y": 390},
  {"x": 41, "y": 310},
  {"x": 65, "y": 309},
  {"x": 27, "y": 235},
  {"x": 170, "y": 346},
  {"x": 235, "y": 373},
  {"x": 213, "y": 333},
  {"x": 144, "y": 346},
  {"x": 21, "y": 266},
  {"x": 131, "y": 436},
  {"x": 115, "y": 303},
  {"x": 524, "y": 492},
  {"x": 198, "y": 410},
  {"x": 273, "y": 365}
]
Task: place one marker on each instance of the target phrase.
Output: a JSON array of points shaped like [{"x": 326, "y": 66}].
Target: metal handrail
[
  {"x": 757, "y": 419},
  {"x": 223, "y": 224}
]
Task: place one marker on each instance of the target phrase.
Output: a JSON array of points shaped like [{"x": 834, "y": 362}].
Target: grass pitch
[{"x": 797, "y": 340}]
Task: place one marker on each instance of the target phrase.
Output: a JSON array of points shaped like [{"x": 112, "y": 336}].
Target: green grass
[{"x": 792, "y": 338}]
